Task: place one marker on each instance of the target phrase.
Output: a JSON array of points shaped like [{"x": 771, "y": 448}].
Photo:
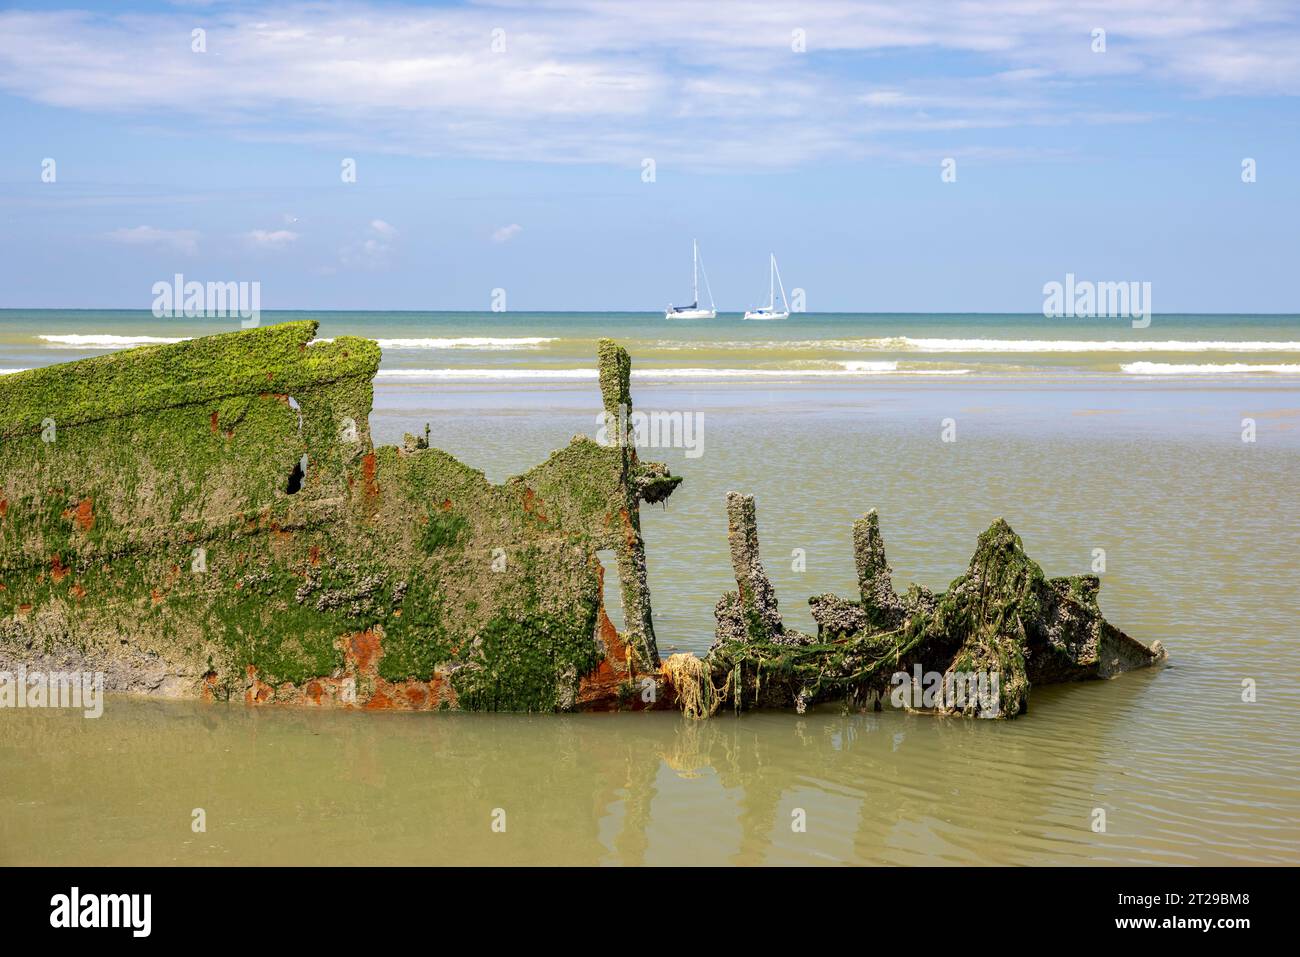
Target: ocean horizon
[{"x": 557, "y": 345}]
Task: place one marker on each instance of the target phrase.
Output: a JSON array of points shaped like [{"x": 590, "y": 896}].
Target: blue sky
[{"x": 521, "y": 167}]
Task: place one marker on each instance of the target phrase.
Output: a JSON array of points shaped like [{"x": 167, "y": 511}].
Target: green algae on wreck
[
  {"x": 210, "y": 518},
  {"x": 1002, "y": 618}
]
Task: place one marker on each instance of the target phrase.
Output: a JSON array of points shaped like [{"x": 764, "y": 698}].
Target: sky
[{"x": 896, "y": 157}]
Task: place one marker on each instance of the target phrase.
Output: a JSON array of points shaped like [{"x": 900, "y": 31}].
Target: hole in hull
[{"x": 297, "y": 475}]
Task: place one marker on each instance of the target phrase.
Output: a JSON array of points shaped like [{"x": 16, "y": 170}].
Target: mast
[
  {"x": 708, "y": 288},
  {"x": 785, "y": 303},
  {"x": 771, "y": 282},
  {"x": 695, "y": 272}
]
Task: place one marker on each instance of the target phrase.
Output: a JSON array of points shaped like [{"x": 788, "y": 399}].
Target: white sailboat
[
  {"x": 693, "y": 311},
  {"x": 769, "y": 311}
]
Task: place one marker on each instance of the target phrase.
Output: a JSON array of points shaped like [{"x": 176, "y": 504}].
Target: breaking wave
[
  {"x": 847, "y": 369},
  {"x": 467, "y": 342},
  {"x": 934, "y": 344},
  {"x": 107, "y": 341},
  {"x": 907, "y": 343},
  {"x": 104, "y": 341},
  {"x": 1174, "y": 368}
]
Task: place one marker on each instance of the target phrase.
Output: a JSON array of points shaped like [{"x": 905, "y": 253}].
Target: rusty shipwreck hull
[{"x": 211, "y": 519}]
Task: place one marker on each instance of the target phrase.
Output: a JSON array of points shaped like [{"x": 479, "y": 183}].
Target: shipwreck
[{"x": 211, "y": 519}]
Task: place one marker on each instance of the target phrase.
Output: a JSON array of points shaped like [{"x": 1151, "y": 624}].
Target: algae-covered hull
[{"x": 210, "y": 518}]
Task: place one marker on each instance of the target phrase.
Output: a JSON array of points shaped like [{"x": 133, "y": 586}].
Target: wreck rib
[{"x": 1003, "y": 624}]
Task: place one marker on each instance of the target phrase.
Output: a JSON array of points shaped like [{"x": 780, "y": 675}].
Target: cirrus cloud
[
  {"x": 719, "y": 76},
  {"x": 182, "y": 240},
  {"x": 271, "y": 239}
]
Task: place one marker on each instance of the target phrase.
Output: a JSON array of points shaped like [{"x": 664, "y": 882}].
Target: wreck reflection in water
[{"x": 296, "y": 786}]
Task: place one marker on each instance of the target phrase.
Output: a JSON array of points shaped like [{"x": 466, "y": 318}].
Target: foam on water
[
  {"x": 107, "y": 341},
  {"x": 1229, "y": 368},
  {"x": 1075, "y": 345},
  {"x": 505, "y": 374},
  {"x": 467, "y": 342}
]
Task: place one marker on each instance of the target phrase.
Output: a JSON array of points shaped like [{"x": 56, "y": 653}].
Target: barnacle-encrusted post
[
  {"x": 757, "y": 598},
  {"x": 881, "y": 603}
]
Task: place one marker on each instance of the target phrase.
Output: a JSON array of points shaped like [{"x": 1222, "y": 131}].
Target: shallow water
[
  {"x": 288, "y": 786},
  {"x": 1200, "y": 532}
]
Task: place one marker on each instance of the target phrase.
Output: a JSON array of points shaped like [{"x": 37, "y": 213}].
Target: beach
[{"x": 1055, "y": 427}]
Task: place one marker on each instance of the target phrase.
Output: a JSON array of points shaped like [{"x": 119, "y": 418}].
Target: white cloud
[
  {"x": 271, "y": 239},
  {"x": 582, "y": 80},
  {"x": 384, "y": 229},
  {"x": 183, "y": 240},
  {"x": 507, "y": 233}
]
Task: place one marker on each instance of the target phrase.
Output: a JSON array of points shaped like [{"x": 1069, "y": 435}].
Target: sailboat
[
  {"x": 769, "y": 311},
  {"x": 693, "y": 311}
]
